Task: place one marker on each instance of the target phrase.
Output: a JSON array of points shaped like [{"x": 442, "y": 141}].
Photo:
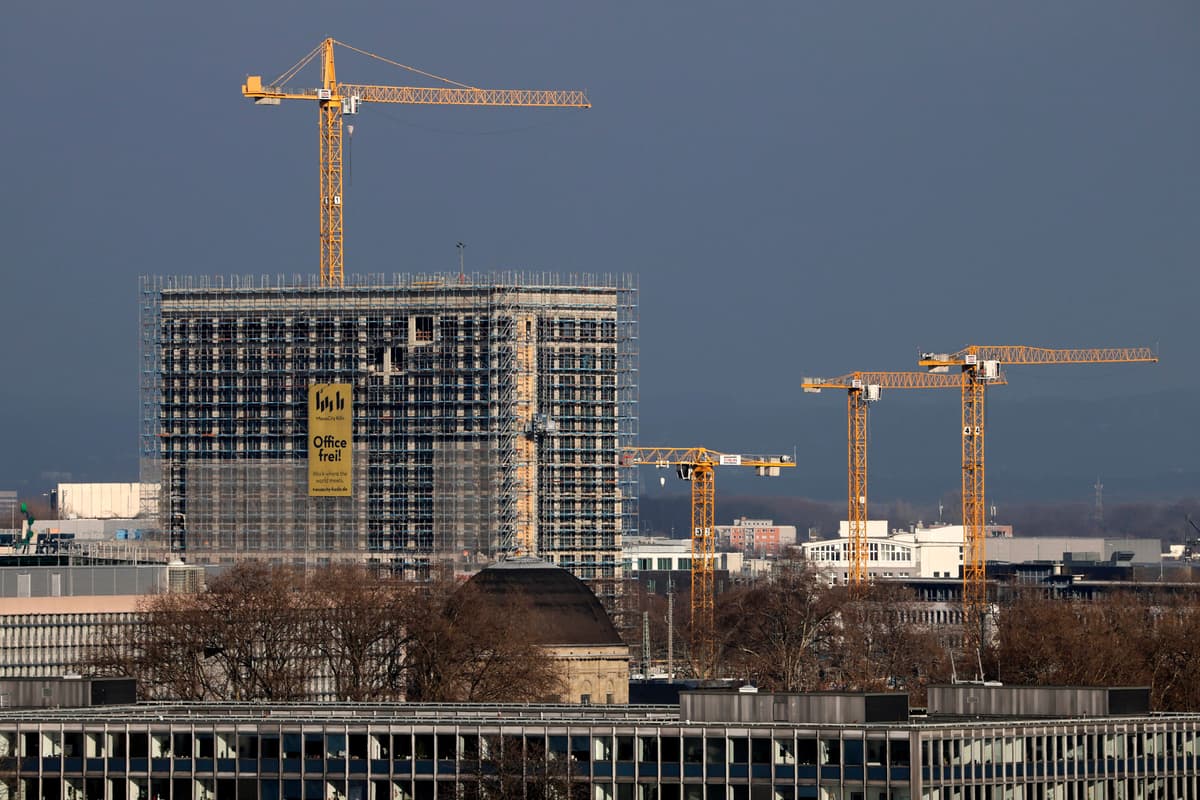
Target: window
[
  {"x": 624, "y": 748},
  {"x": 424, "y": 329}
]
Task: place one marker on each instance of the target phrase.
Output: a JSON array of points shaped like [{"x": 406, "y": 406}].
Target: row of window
[
  {"x": 1061, "y": 748},
  {"x": 451, "y": 747}
]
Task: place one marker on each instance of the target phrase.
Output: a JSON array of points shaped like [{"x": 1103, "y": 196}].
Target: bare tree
[
  {"x": 463, "y": 646},
  {"x": 882, "y": 647},
  {"x": 1120, "y": 639},
  {"x": 262, "y": 633},
  {"x": 778, "y": 632},
  {"x": 361, "y": 630},
  {"x": 261, "y": 636}
]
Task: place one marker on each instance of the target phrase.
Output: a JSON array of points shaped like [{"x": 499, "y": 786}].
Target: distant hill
[{"x": 666, "y": 515}]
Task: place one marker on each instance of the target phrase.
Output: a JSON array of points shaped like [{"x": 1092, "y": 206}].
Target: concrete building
[
  {"x": 936, "y": 552},
  {"x": 487, "y": 413},
  {"x": 56, "y": 611},
  {"x": 661, "y": 564},
  {"x": 9, "y": 508},
  {"x": 924, "y": 552},
  {"x": 756, "y": 536},
  {"x": 103, "y": 500},
  {"x": 1031, "y": 744}
]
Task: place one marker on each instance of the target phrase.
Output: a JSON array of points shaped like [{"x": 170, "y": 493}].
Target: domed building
[{"x": 569, "y": 622}]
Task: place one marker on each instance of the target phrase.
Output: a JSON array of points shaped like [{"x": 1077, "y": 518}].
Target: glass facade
[{"x": 627, "y": 753}]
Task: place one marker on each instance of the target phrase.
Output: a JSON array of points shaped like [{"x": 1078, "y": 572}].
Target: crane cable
[
  {"x": 406, "y": 66},
  {"x": 299, "y": 65}
]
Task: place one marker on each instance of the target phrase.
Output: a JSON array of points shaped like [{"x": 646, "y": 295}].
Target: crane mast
[
  {"x": 336, "y": 100},
  {"x": 863, "y": 389},
  {"x": 980, "y": 366},
  {"x": 696, "y": 464}
]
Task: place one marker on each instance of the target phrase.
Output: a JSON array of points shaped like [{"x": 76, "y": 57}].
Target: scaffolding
[{"x": 489, "y": 414}]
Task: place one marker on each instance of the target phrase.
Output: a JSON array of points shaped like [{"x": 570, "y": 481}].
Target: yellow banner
[{"x": 330, "y": 410}]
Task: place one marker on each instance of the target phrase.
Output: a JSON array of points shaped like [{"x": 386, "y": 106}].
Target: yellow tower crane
[
  {"x": 980, "y": 366},
  {"x": 336, "y": 100},
  {"x": 862, "y": 389},
  {"x": 696, "y": 464}
]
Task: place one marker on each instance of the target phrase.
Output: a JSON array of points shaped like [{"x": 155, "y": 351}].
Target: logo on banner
[{"x": 330, "y": 412}]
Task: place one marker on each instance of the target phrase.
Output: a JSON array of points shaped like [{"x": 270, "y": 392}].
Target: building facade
[
  {"x": 58, "y": 612},
  {"x": 936, "y": 551},
  {"x": 774, "y": 747},
  {"x": 487, "y": 416},
  {"x": 756, "y": 536}
]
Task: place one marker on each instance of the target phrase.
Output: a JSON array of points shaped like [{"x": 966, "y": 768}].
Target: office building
[
  {"x": 975, "y": 743},
  {"x": 485, "y": 416}
]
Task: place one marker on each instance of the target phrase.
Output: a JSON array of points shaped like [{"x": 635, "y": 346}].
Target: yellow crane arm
[
  {"x": 693, "y": 456},
  {"x": 696, "y": 465},
  {"x": 254, "y": 89},
  {"x": 979, "y": 366},
  {"x": 884, "y": 380},
  {"x": 336, "y": 99},
  {"x": 1021, "y": 354},
  {"x": 459, "y": 96}
]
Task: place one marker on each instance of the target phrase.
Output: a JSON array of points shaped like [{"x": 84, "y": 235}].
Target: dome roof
[{"x": 564, "y": 609}]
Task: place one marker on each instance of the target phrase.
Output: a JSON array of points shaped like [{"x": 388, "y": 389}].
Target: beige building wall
[
  {"x": 50, "y": 636},
  {"x": 597, "y": 674}
]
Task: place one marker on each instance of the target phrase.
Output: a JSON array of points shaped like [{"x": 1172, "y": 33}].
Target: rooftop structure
[
  {"x": 728, "y": 745},
  {"x": 568, "y": 621},
  {"x": 563, "y": 610},
  {"x": 486, "y": 414}
]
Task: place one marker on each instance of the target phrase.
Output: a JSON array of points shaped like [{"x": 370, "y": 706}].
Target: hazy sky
[{"x": 804, "y": 188}]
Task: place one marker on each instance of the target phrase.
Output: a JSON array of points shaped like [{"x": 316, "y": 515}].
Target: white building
[
  {"x": 657, "y": 553},
  {"x": 105, "y": 500},
  {"x": 936, "y": 552},
  {"x": 920, "y": 553}
]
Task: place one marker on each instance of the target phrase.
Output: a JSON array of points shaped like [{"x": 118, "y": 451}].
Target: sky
[{"x": 802, "y": 188}]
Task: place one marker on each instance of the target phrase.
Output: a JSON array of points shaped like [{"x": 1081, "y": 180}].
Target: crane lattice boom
[
  {"x": 696, "y": 456},
  {"x": 336, "y": 99},
  {"x": 697, "y": 464},
  {"x": 862, "y": 389},
  {"x": 1021, "y": 354},
  {"x": 980, "y": 366},
  {"x": 884, "y": 380}
]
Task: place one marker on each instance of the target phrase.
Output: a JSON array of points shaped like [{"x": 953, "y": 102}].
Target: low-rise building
[
  {"x": 975, "y": 742},
  {"x": 662, "y": 565},
  {"x": 56, "y": 611},
  {"x": 936, "y": 551}
]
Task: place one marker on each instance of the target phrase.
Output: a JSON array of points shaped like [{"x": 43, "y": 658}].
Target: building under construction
[{"x": 487, "y": 416}]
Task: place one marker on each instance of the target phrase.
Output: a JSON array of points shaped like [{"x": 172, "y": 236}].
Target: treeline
[
  {"x": 792, "y": 632},
  {"x": 270, "y": 633},
  {"x": 1121, "y": 639}
]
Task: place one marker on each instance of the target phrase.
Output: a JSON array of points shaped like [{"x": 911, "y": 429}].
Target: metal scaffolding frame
[{"x": 489, "y": 413}]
